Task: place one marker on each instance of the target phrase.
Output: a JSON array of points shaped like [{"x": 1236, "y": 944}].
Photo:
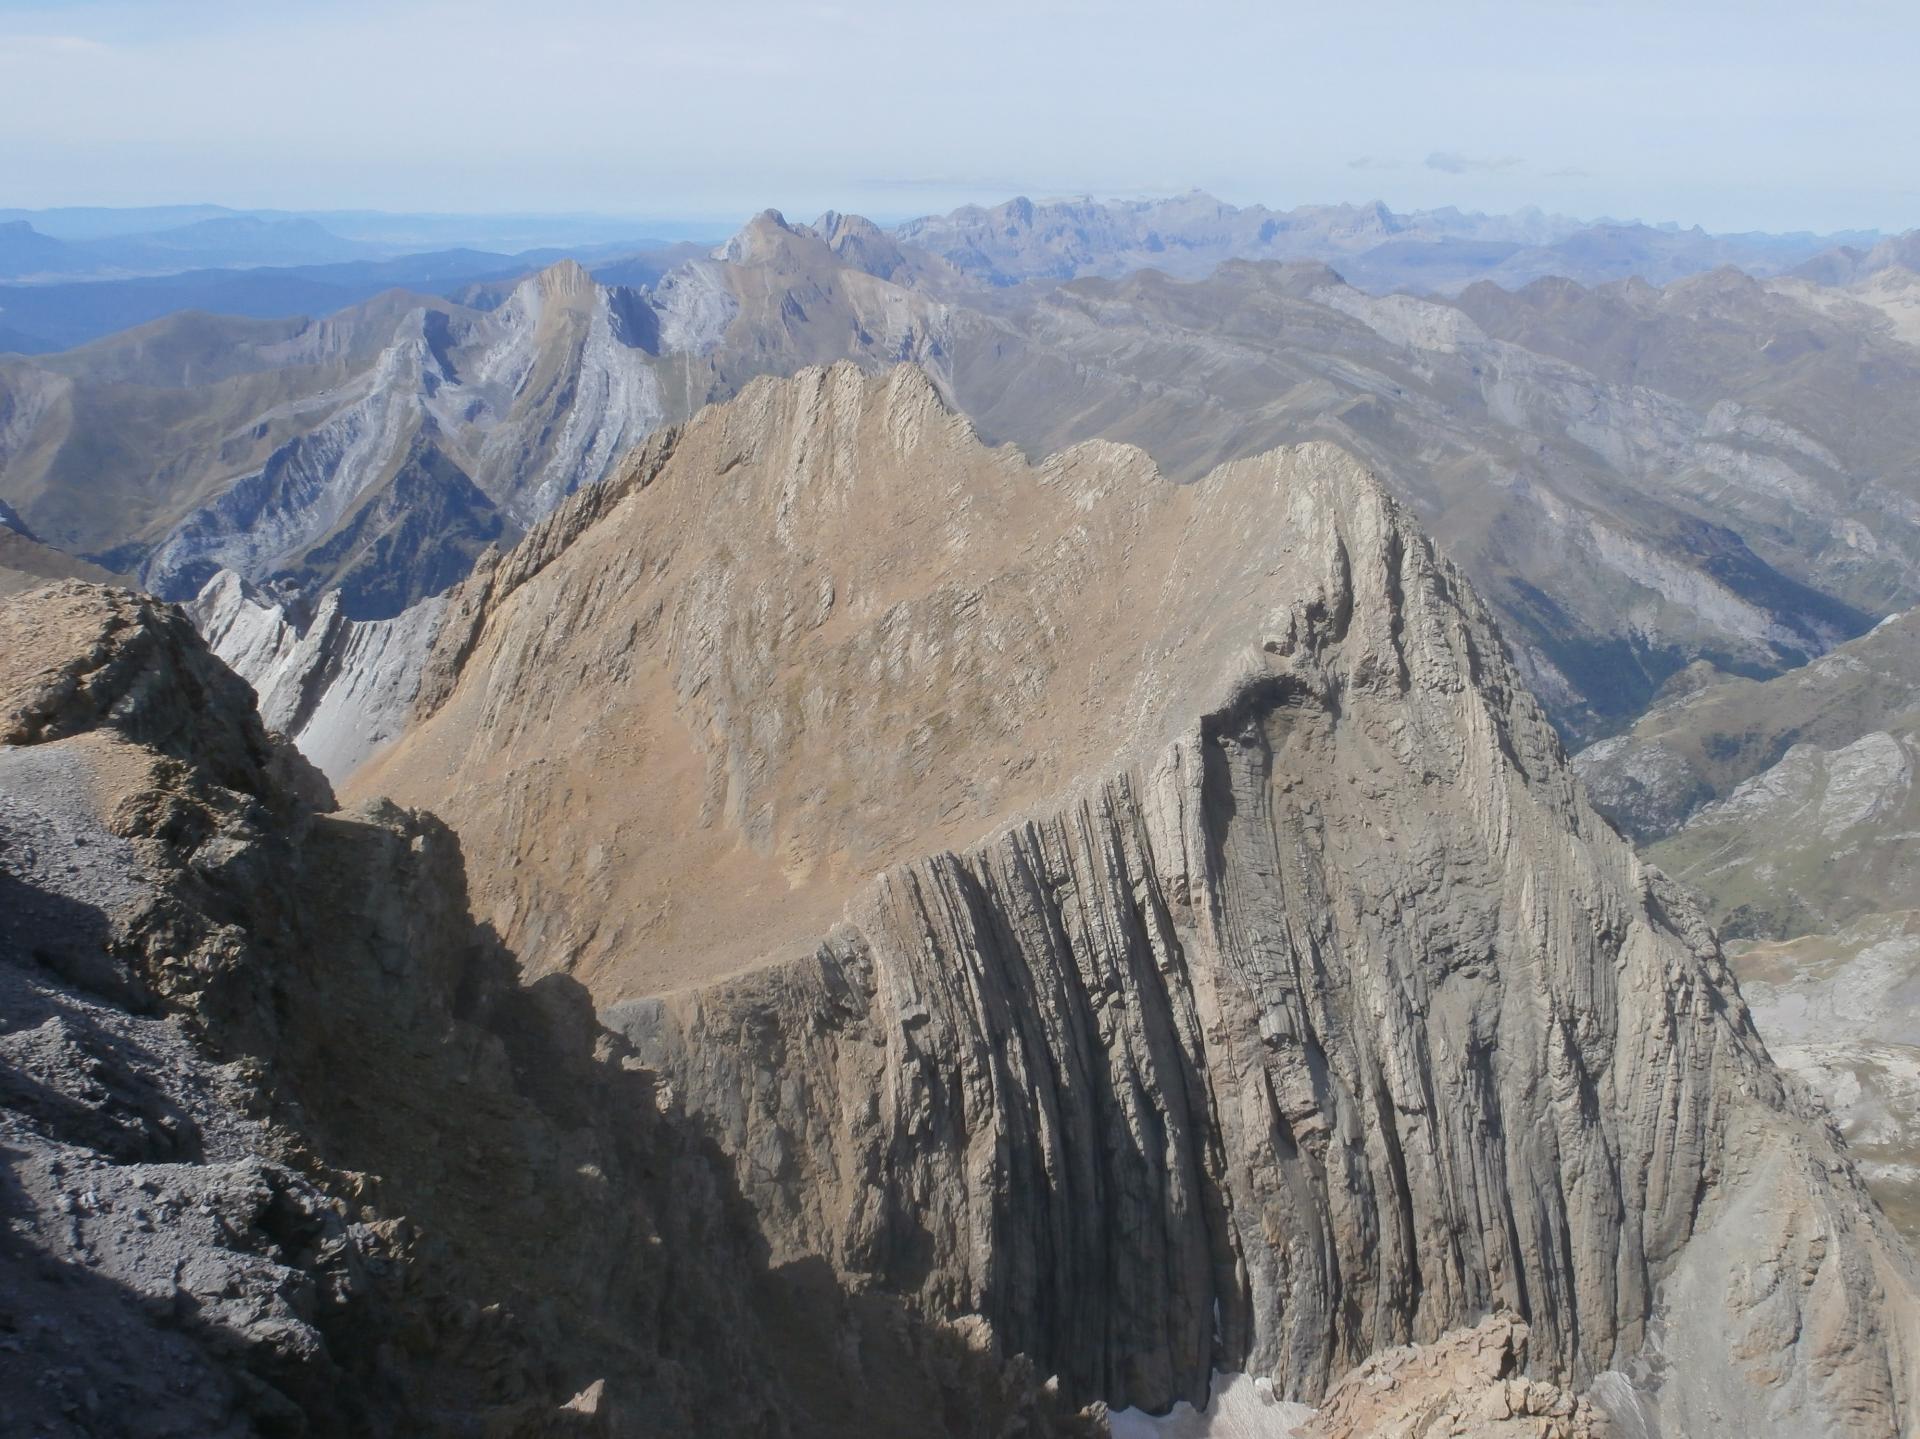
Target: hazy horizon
[
  {"x": 1731, "y": 116},
  {"x": 718, "y": 226}
]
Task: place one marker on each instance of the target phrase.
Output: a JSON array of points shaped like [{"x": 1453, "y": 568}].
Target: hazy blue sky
[{"x": 1735, "y": 115}]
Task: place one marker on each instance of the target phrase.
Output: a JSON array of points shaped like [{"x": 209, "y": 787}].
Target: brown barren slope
[{"x": 833, "y": 631}]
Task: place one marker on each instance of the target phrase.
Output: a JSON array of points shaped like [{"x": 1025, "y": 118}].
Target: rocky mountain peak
[
  {"x": 563, "y": 285},
  {"x": 895, "y": 529},
  {"x": 564, "y": 278},
  {"x": 77, "y": 657},
  {"x": 857, "y": 242},
  {"x": 760, "y": 239}
]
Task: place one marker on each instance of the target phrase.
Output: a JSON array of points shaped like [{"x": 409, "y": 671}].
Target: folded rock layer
[{"x": 1153, "y": 918}]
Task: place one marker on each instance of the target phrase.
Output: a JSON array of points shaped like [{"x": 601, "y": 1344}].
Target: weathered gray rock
[{"x": 339, "y": 688}]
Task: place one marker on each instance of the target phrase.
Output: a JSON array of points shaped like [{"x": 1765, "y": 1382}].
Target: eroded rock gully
[{"x": 1242, "y": 984}]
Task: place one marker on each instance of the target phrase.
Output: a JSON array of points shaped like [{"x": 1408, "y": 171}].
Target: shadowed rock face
[
  {"x": 1153, "y": 918},
  {"x": 290, "y": 1148}
]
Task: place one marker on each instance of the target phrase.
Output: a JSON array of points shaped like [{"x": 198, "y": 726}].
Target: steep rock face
[
  {"x": 339, "y": 688},
  {"x": 1170, "y": 931},
  {"x": 1789, "y": 805}
]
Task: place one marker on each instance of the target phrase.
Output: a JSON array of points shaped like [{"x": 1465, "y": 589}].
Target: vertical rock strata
[{"x": 1235, "y": 981}]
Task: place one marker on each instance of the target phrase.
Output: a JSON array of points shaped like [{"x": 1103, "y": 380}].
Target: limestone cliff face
[{"x": 1213, "y": 963}]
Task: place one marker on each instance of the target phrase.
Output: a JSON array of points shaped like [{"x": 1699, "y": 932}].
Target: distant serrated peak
[
  {"x": 564, "y": 278},
  {"x": 763, "y": 235}
]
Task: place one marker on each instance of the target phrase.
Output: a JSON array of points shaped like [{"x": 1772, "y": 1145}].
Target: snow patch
[{"x": 1240, "y": 1407}]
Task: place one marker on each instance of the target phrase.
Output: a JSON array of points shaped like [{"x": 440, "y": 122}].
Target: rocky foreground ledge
[{"x": 289, "y": 1147}]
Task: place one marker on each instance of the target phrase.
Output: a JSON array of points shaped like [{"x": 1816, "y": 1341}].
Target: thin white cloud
[
  {"x": 41, "y": 47},
  {"x": 1452, "y": 162}
]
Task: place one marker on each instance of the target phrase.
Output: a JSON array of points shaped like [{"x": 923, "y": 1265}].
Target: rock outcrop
[
  {"x": 1471, "y": 1383},
  {"x": 1151, "y": 921},
  {"x": 76, "y": 657}
]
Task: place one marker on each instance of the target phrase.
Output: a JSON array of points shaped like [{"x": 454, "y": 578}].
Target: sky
[{"x": 1751, "y": 115}]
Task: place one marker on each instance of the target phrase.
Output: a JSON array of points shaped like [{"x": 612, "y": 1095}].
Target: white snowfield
[{"x": 1240, "y": 1407}]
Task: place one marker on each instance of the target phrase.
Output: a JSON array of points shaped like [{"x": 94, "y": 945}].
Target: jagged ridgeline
[{"x": 902, "y": 921}]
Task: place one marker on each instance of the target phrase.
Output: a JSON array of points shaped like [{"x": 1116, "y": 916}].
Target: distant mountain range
[
  {"x": 28, "y": 254},
  {"x": 41, "y": 319},
  {"x": 1373, "y": 247},
  {"x": 1637, "y": 476},
  {"x": 70, "y": 276},
  {"x": 77, "y": 275}
]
